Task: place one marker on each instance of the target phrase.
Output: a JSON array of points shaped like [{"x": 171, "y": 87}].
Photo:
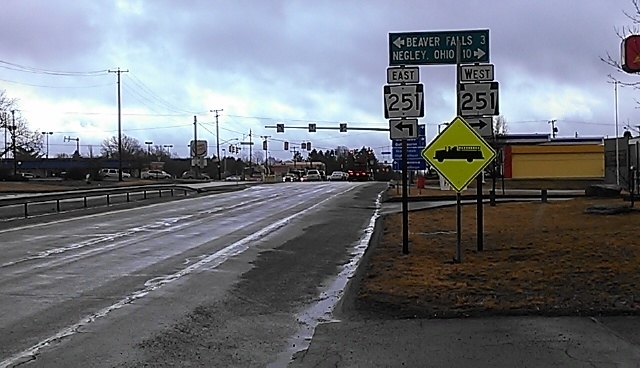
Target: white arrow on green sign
[{"x": 429, "y": 48}]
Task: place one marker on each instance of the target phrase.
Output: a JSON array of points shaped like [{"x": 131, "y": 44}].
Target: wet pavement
[{"x": 144, "y": 285}]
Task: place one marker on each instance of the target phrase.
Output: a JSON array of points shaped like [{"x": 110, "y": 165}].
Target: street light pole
[
  {"x": 224, "y": 162},
  {"x": 168, "y": 147}
]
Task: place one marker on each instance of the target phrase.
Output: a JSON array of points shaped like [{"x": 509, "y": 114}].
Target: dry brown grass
[{"x": 539, "y": 258}]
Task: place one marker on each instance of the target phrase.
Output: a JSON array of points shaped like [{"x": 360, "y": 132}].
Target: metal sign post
[
  {"x": 458, "y": 258},
  {"x": 403, "y": 104},
  {"x": 405, "y": 201}
]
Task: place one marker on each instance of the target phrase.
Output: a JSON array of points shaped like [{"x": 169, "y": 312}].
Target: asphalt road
[{"x": 231, "y": 279}]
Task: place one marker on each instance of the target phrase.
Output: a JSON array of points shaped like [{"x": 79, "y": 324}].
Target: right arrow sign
[
  {"x": 482, "y": 125},
  {"x": 403, "y": 129}
]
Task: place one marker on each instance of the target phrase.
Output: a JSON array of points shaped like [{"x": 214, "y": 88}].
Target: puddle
[{"x": 321, "y": 311}]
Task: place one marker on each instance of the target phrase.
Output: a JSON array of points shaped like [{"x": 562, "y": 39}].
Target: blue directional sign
[
  {"x": 414, "y": 146},
  {"x": 418, "y": 164},
  {"x": 413, "y": 142}
]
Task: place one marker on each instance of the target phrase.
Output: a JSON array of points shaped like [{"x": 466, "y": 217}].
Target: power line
[
  {"x": 33, "y": 70},
  {"x": 167, "y": 105},
  {"x": 45, "y": 86}
]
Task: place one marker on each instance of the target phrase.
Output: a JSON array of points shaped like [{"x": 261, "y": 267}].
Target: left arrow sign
[{"x": 403, "y": 128}]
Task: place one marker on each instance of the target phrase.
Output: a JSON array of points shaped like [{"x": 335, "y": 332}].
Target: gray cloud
[{"x": 326, "y": 60}]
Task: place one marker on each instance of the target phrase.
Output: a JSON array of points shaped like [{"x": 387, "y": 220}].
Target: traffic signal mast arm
[{"x": 330, "y": 128}]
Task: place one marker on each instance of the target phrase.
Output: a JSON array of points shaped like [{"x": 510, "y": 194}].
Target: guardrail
[{"x": 57, "y": 197}]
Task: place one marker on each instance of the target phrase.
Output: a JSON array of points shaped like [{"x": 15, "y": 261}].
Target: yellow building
[{"x": 556, "y": 159}]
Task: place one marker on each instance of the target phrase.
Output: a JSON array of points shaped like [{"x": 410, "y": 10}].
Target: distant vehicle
[
  {"x": 29, "y": 175},
  {"x": 233, "y": 178},
  {"x": 468, "y": 153},
  {"x": 359, "y": 173},
  {"x": 192, "y": 175},
  {"x": 113, "y": 173},
  {"x": 312, "y": 175},
  {"x": 338, "y": 176},
  {"x": 155, "y": 174},
  {"x": 290, "y": 178},
  {"x": 297, "y": 173}
]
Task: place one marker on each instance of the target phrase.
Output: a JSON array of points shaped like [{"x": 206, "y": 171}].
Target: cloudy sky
[{"x": 294, "y": 62}]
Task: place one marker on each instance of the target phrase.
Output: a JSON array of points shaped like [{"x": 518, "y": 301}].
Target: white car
[
  {"x": 312, "y": 175},
  {"x": 155, "y": 174},
  {"x": 113, "y": 173},
  {"x": 338, "y": 176}
]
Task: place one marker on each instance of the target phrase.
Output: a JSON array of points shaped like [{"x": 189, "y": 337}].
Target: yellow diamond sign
[{"x": 458, "y": 153}]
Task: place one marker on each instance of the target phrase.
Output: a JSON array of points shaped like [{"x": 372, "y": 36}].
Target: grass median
[{"x": 539, "y": 259}]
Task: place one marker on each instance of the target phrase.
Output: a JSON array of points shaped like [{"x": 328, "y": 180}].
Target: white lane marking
[
  {"x": 328, "y": 298},
  {"x": 215, "y": 259},
  {"x": 167, "y": 222}
]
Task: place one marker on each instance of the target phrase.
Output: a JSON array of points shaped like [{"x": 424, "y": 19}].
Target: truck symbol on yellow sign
[
  {"x": 459, "y": 153},
  {"x": 468, "y": 153}
]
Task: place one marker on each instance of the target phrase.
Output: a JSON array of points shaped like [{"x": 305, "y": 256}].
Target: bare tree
[
  {"x": 27, "y": 142},
  {"x": 622, "y": 33},
  {"x": 500, "y": 125},
  {"x": 131, "y": 148}
]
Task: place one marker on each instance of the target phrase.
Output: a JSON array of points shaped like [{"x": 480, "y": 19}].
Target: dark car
[
  {"x": 290, "y": 178},
  {"x": 358, "y": 175}
]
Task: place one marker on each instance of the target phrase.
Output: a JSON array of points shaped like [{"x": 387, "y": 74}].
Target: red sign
[{"x": 631, "y": 54}]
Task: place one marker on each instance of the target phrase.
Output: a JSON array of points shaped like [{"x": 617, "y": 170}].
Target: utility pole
[
  {"x": 47, "y": 134},
  {"x": 6, "y": 123},
  {"x": 118, "y": 72},
  {"x": 250, "y": 153},
  {"x": 194, "y": 148},
  {"x": 13, "y": 142},
  {"x": 554, "y": 130},
  {"x": 218, "y": 141}
]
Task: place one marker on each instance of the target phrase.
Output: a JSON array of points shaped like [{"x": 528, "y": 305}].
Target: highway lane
[{"x": 102, "y": 289}]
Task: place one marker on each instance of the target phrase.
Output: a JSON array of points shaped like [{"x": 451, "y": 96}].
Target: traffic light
[
  {"x": 286, "y": 146},
  {"x": 279, "y": 128},
  {"x": 303, "y": 145},
  {"x": 308, "y": 146},
  {"x": 264, "y": 145},
  {"x": 231, "y": 149},
  {"x": 343, "y": 127},
  {"x": 312, "y": 127}
]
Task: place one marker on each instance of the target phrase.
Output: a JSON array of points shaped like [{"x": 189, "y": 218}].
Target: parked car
[
  {"x": 233, "y": 178},
  {"x": 155, "y": 174},
  {"x": 113, "y": 173},
  {"x": 338, "y": 176},
  {"x": 192, "y": 175},
  {"x": 28, "y": 175},
  {"x": 312, "y": 175}
]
